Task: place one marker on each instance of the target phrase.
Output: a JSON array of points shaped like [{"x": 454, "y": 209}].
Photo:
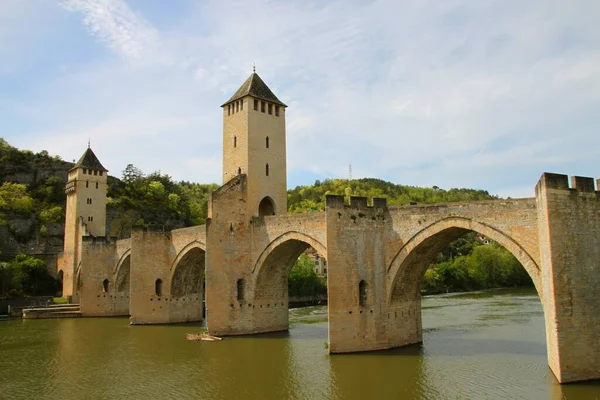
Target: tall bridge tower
[
  {"x": 85, "y": 213},
  {"x": 254, "y": 145}
]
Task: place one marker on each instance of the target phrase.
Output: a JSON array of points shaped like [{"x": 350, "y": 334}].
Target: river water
[{"x": 476, "y": 346}]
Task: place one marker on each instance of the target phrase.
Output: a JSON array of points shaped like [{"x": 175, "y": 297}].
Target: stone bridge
[
  {"x": 377, "y": 256},
  {"x": 155, "y": 277}
]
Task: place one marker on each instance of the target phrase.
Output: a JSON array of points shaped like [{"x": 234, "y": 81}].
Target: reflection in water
[{"x": 483, "y": 345}]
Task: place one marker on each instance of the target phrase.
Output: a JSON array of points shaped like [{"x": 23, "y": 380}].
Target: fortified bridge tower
[{"x": 254, "y": 145}]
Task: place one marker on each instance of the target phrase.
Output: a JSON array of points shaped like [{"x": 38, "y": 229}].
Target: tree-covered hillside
[
  {"x": 312, "y": 198},
  {"x": 154, "y": 200}
]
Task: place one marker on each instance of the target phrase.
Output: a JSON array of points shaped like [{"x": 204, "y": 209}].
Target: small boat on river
[{"x": 204, "y": 337}]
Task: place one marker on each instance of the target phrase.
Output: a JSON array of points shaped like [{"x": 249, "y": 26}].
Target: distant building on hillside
[{"x": 320, "y": 262}]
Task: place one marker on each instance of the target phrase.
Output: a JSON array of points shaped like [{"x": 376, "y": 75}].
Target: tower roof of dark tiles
[
  {"x": 255, "y": 87},
  {"x": 90, "y": 161}
]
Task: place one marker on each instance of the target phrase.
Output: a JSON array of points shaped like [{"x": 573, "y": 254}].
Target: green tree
[
  {"x": 468, "y": 265},
  {"x": 303, "y": 280},
  {"x": 26, "y": 275},
  {"x": 14, "y": 197},
  {"x": 132, "y": 174},
  {"x": 52, "y": 214}
]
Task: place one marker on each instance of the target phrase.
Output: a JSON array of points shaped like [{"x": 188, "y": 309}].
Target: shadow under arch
[
  {"x": 121, "y": 274},
  {"x": 405, "y": 272},
  {"x": 289, "y": 236},
  {"x": 187, "y": 271}
]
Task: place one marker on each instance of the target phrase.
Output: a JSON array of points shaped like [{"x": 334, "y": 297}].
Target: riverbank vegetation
[
  {"x": 471, "y": 263},
  {"x": 26, "y": 276}
]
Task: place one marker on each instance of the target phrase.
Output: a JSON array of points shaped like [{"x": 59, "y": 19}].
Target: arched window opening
[
  {"x": 240, "y": 290},
  {"x": 158, "y": 287},
  {"x": 255, "y": 105},
  {"x": 262, "y": 106},
  {"x": 235, "y": 141},
  {"x": 96, "y": 185},
  {"x": 266, "y": 207},
  {"x": 228, "y": 109},
  {"x": 362, "y": 293},
  {"x": 241, "y": 105},
  {"x": 270, "y": 108},
  {"x": 277, "y": 111},
  {"x": 87, "y": 183},
  {"x": 105, "y": 287},
  {"x": 267, "y": 169},
  {"x": 267, "y": 142}
]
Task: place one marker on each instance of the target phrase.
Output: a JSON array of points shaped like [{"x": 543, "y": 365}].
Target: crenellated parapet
[
  {"x": 338, "y": 201},
  {"x": 559, "y": 182}
]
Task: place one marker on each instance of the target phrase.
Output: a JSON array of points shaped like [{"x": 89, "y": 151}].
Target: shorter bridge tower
[
  {"x": 254, "y": 145},
  {"x": 85, "y": 213}
]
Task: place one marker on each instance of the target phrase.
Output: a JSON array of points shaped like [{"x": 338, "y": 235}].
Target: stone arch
[
  {"x": 273, "y": 266},
  {"x": 266, "y": 207},
  {"x": 408, "y": 266},
  {"x": 187, "y": 271},
  {"x": 289, "y": 236},
  {"x": 121, "y": 273}
]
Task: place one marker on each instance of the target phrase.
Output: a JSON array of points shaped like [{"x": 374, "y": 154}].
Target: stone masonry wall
[
  {"x": 569, "y": 229},
  {"x": 227, "y": 259},
  {"x": 154, "y": 256},
  {"x": 356, "y": 236},
  {"x": 98, "y": 261}
]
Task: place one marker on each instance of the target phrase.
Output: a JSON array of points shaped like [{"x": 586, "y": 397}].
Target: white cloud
[{"x": 116, "y": 25}]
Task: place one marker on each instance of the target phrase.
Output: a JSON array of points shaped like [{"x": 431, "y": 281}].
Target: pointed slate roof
[
  {"x": 255, "y": 87},
  {"x": 90, "y": 161}
]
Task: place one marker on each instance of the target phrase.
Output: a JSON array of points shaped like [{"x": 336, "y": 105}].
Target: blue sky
[{"x": 479, "y": 94}]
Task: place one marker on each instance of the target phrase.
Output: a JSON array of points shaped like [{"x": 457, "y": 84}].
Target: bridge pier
[
  {"x": 356, "y": 236},
  {"x": 569, "y": 237},
  {"x": 100, "y": 295},
  {"x": 228, "y": 272}
]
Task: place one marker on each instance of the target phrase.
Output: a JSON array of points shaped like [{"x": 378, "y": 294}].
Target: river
[{"x": 476, "y": 346}]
